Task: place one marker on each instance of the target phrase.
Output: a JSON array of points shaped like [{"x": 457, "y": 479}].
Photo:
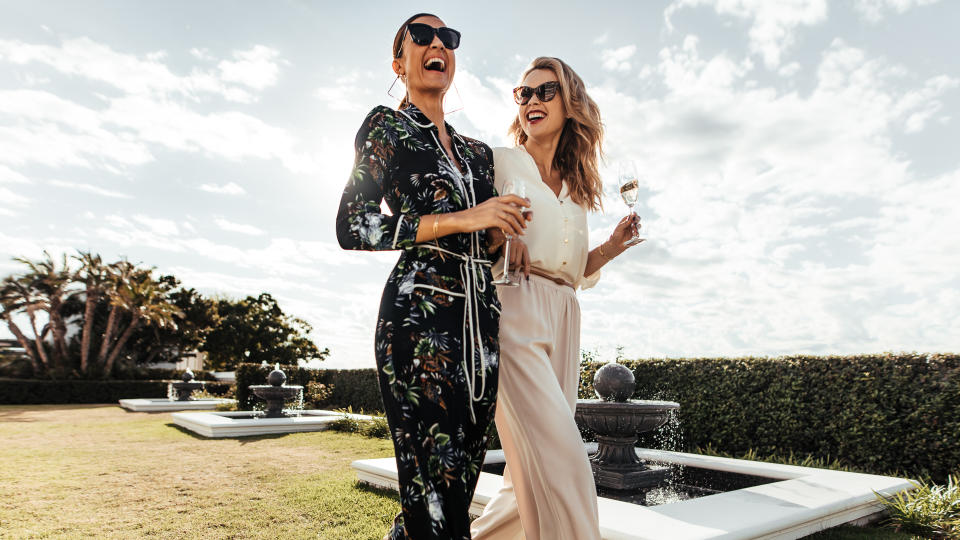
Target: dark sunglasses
[
  {"x": 422, "y": 34},
  {"x": 545, "y": 92}
]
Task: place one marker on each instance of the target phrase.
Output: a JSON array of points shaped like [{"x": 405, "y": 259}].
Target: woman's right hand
[{"x": 503, "y": 212}]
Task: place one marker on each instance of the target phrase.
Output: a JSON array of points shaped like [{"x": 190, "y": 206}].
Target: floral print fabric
[{"x": 425, "y": 352}]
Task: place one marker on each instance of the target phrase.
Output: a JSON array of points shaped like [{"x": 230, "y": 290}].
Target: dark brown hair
[
  {"x": 581, "y": 141},
  {"x": 398, "y": 44}
]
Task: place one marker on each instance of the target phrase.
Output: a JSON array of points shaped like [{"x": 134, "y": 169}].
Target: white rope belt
[{"x": 474, "y": 285}]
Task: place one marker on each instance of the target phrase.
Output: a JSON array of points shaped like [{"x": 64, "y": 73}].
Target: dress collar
[{"x": 416, "y": 116}]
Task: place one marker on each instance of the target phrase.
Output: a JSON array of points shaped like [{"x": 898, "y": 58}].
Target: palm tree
[
  {"x": 13, "y": 300},
  {"x": 95, "y": 277},
  {"x": 19, "y": 294},
  {"x": 52, "y": 284},
  {"x": 119, "y": 275},
  {"x": 147, "y": 303}
]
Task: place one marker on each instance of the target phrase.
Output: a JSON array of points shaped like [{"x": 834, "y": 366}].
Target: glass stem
[{"x": 506, "y": 259}]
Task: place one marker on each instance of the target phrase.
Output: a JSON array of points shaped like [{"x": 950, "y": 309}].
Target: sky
[{"x": 799, "y": 160}]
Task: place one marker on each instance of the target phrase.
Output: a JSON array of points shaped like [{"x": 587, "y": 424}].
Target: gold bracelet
[
  {"x": 436, "y": 226},
  {"x": 602, "y": 254}
]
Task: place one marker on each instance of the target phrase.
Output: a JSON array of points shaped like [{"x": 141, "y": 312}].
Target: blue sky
[{"x": 799, "y": 158}]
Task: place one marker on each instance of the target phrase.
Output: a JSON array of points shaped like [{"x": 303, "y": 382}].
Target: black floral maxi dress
[{"x": 436, "y": 338}]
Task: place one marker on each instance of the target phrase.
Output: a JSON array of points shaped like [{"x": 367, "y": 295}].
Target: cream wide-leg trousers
[{"x": 548, "y": 490}]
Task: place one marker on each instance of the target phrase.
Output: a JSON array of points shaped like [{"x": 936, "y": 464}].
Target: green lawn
[{"x": 97, "y": 471}]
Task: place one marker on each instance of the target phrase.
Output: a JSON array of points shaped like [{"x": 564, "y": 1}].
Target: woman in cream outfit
[{"x": 548, "y": 491}]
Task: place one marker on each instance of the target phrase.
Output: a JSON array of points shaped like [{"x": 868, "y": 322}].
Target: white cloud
[
  {"x": 617, "y": 59},
  {"x": 238, "y": 227},
  {"x": 148, "y": 75},
  {"x": 257, "y": 68},
  {"x": 11, "y": 198},
  {"x": 773, "y": 24},
  {"x": 775, "y": 217},
  {"x": 160, "y": 226},
  {"x": 90, "y": 188},
  {"x": 10, "y": 176},
  {"x": 875, "y": 10},
  {"x": 230, "y": 188},
  {"x": 351, "y": 92}
]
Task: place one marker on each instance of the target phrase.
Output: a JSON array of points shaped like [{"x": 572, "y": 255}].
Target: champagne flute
[
  {"x": 510, "y": 187},
  {"x": 628, "y": 179}
]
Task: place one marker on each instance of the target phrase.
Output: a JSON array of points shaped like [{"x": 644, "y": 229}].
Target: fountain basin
[
  {"x": 615, "y": 464},
  {"x": 275, "y": 396},
  {"x": 250, "y": 423},
  {"x": 799, "y": 501},
  {"x": 172, "y": 405}
]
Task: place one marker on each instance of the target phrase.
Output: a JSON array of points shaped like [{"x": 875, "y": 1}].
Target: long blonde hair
[{"x": 581, "y": 142}]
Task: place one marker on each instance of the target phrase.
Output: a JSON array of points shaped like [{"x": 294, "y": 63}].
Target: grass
[{"x": 97, "y": 471}]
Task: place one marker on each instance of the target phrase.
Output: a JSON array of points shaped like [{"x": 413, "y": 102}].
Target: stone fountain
[
  {"x": 274, "y": 420},
  {"x": 185, "y": 388},
  {"x": 275, "y": 392},
  {"x": 617, "y": 421},
  {"x": 179, "y": 398}
]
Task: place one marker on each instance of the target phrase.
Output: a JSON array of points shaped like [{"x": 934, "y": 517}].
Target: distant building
[{"x": 192, "y": 360}]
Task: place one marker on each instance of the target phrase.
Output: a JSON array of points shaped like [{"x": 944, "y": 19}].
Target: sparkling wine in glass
[
  {"x": 628, "y": 179},
  {"x": 518, "y": 188}
]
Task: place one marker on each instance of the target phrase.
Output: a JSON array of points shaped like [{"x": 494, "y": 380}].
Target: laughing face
[
  {"x": 426, "y": 68},
  {"x": 538, "y": 119}
]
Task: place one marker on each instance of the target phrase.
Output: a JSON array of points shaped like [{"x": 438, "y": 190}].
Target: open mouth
[
  {"x": 535, "y": 116},
  {"x": 435, "y": 64}
]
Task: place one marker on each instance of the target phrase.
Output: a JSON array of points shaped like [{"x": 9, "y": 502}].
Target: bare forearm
[
  {"x": 599, "y": 256},
  {"x": 433, "y": 226}
]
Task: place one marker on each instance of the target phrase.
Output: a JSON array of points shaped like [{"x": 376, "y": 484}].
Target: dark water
[{"x": 682, "y": 483}]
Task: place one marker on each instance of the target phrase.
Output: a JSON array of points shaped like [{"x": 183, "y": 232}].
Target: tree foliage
[
  {"x": 255, "y": 329},
  {"x": 89, "y": 320}
]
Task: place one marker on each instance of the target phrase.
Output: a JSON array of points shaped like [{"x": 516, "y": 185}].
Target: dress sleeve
[{"x": 360, "y": 223}]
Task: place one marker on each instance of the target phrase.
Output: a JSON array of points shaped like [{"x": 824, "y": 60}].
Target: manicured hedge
[
  {"x": 356, "y": 388},
  {"x": 32, "y": 391},
  {"x": 882, "y": 413}
]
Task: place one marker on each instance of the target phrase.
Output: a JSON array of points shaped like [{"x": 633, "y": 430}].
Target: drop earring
[
  {"x": 403, "y": 83},
  {"x": 457, "y": 106}
]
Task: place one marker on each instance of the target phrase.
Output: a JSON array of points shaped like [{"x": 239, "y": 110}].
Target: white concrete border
[
  {"x": 226, "y": 424},
  {"x": 805, "y": 500},
  {"x": 170, "y": 405}
]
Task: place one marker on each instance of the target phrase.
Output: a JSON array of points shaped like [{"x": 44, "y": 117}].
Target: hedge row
[
  {"x": 356, "y": 388},
  {"x": 32, "y": 391},
  {"x": 882, "y": 413}
]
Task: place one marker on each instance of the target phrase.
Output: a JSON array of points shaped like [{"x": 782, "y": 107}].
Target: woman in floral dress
[{"x": 436, "y": 338}]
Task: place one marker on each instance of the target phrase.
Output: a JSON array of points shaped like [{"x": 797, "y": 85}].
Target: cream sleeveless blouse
[{"x": 558, "y": 237}]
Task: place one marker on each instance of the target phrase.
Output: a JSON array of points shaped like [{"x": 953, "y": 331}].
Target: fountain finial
[
  {"x": 277, "y": 377},
  {"x": 614, "y": 382}
]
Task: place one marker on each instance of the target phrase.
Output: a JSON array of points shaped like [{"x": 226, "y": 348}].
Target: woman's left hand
[{"x": 625, "y": 230}]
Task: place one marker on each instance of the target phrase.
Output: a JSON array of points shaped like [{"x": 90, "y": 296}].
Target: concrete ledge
[
  {"x": 805, "y": 500},
  {"x": 170, "y": 405},
  {"x": 232, "y": 423}
]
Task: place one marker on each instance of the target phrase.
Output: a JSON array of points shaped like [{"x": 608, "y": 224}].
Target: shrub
[
  {"x": 316, "y": 395},
  {"x": 357, "y": 388},
  {"x": 346, "y": 425},
  {"x": 929, "y": 510},
  {"x": 377, "y": 428},
  {"x": 880, "y": 413},
  {"x": 31, "y": 391}
]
